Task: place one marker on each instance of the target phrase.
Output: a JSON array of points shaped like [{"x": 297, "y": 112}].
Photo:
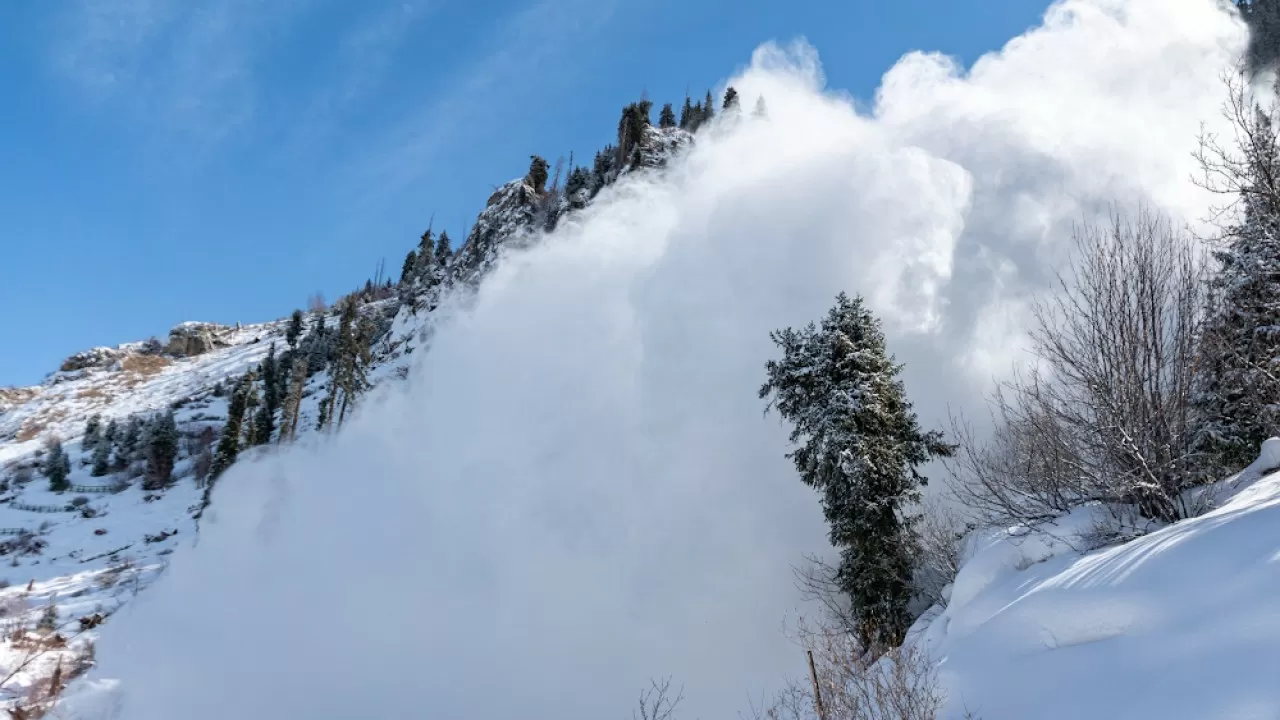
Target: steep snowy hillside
[
  {"x": 75, "y": 556},
  {"x": 1181, "y": 623}
]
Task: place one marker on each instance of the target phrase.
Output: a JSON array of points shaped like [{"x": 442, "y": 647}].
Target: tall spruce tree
[
  {"x": 264, "y": 418},
  {"x": 443, "y": 250},
  {"x": 708, "y": 108},
  {"x": 294, "y": 331},
  {"x": 1238, "y": 393},
  {"x": 686, "y": 114},
  {"x": 229, "y": 442},
  {"x": 406, "y": 270},
  {"x": 859, "y": 445},
  {"x": 101, "y": 458},
  {"x": 667, "y": 117},
  {"x": 293, "y": 402},
  {"x": 730, "y": 99},
  {"x": 161, "y": 451},
  {"x": 57, "y": 466},
  {"x": 128, "y": 446},
  {"x": 426, "y": 255},
  {"x": 92, "y": 432}
]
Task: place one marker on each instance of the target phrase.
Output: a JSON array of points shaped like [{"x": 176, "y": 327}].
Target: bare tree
[
  {"x": 657, "y": 702},
  {"x": 1105, "y": 415}
]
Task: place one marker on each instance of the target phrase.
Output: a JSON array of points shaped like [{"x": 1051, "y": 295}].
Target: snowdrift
[{"x": 1181, "y": 623}]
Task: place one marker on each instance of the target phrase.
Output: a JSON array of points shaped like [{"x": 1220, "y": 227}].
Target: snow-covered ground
[{"x": 1181, "y": 623}]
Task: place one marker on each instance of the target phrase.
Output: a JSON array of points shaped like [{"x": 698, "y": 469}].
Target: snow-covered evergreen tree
[
  {"x": 128, "y": 444},
  {"x": 859, "y": 445},
  {"x": 101, "y": 458},
  {"x": 1238, "y": 395},
  {"x": 667, "y": 117},
  {"x": 57, "y": 467},
  {"x": 294, "y": 331},
  {"x": 161, "y": 451},
  {"x": 265, "y": 417},
  {"x": 92, "y": 432},
  {"x": 229, "y": 443}
]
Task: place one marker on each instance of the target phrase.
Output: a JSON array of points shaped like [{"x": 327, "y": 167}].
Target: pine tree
[
  {"x": 1238, "y": 393},
  {"x": 130, "y": 441},
  {"x": 57, "y": 467},
  {"x": 730, "y": 99},
  {"x": 538, "y": 173},
  {"x": 708, "y": 109},
  {"x": 229, "y": 443},
  {"x": 410, "y": 264},
  {"x": 294, "y": 331},
  {"x": 317, "y": 345},
  {"x": 162, "y": 451},
  {"x": 92, "y": 432},
  {"x": 858, "y": 444},
  {"x": 667, "y": 118},
  {"x": 443, "y": 251},
  {"x": 761, "y": 110},
  {"x": 426, "y": 254},
  {"x": 101, "y": 458},
  {"x": 349, "y": 377},
  {"x": 293, "y": 403},
  {"x": 687, "y": 115},
  {"x": 264, "y": 420}
]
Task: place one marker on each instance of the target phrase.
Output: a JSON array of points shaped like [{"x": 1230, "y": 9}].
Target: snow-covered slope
[{"x": 1181, "y": 623}]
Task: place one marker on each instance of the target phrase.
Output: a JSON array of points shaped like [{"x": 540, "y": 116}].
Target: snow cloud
[{"x": 577, "y": 490}]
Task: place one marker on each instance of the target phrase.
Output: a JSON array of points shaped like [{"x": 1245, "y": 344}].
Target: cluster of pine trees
[{"x": 140, "y": 445}]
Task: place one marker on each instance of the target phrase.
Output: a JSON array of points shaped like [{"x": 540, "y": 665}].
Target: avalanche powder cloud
[{"x": 577, "y": 490}]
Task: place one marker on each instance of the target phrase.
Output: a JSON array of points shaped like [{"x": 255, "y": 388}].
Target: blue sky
[{"x": 163, "y": 161}]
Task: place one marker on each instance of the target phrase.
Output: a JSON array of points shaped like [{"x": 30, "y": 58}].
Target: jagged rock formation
[
  {"x": 195, "y": 338},
  {"x": 99, "y": 357}
]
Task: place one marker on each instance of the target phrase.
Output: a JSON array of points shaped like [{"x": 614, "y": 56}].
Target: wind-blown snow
[{"x": 576, "y": 489}]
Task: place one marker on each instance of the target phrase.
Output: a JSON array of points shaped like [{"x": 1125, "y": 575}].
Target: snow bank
[{"x": 1180, "y": 623}]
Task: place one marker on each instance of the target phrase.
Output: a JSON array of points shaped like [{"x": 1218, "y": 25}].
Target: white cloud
[{"x": 577, "y": 489}]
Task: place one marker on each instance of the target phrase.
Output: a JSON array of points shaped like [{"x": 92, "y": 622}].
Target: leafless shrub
[
  {"x": 1105, "y": 416},
  {"x": 657, "y": 702},
  {"x": 316, "y": 303},
  {"x": 942, "y": 532},
  {"x": 848, "y": 684}
]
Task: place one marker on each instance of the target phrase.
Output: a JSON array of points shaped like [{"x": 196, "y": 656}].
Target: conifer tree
[
  {"x": 57, "y": 467},
  {"x": 426, "y": 253},
  {"x": 294, "y": 331},
  {"x": 538, "y": 173},
  {"x": 322, "y": 413},
  {"x": 687, "y": 115},
  {"x": 317, "y": 344},
  {"x": 708, "y": 109},
  {"x": 162, "y": 451},
  {"x": 407, "y": 270},
  {"x": 130, "y": 440},
  {"x": 730, "y": 99},
  {"x": 293, "y": 403},
  {"x": 92, "y": 432},
  {"x": 667, "y": 118},
  {"x": 101, "y": 458},
  {"x": 264, "y": 419},
  {"x": 761, "y": 109},
  {"x": 443, "y": 249},
  {"x": 1238, "y": 392},
  {"x": 229, "y": 443},
  {"x": 859, "y": 445}
]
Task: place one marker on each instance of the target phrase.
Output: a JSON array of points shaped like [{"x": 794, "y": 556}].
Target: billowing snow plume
[{"x": 576, "y": 490}]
